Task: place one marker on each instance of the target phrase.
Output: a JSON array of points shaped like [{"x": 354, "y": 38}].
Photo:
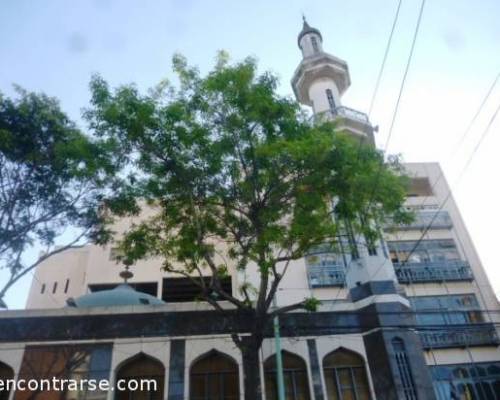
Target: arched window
[
  {"x": 314, "y": 42},
  {"x": 6, "y": 372},
  {"x": 331, "y": 100},
  {"x": 295, "y": 374},
  {"x": 345, "y": 376},
  {"x": 404, "y": 369},
  {"x": 214, "y": 377},
  {"x": 141, "y": 367}
]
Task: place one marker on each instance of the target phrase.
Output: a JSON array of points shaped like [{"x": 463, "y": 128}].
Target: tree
[
  {"x": 240, "y": 178},
  {"x": 52, "y": 180}
]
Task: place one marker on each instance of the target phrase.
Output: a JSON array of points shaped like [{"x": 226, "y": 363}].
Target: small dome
[
  {"x": 308, "y": 29},
  {"x": 122, "y": 295}
]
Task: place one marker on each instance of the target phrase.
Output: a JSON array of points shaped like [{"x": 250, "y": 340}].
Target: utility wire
[
  {"x": 398, "y": 101},
  {"x": 386, "y": 53},
  {"x": 466, "y": 132},
  {"x": 460, "y": 176},
  {"x": 405, "y": 75}
]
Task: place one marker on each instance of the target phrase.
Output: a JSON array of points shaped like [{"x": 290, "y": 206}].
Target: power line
[
  {"x": 460, "y": 176},
  {"x": 384, "y": 59},
  {"x": 466, "y": 132},
  {"x": 462, "y": 172},
  {"x": 398, "y": 101},
  {"x": 407, "y": 68}
]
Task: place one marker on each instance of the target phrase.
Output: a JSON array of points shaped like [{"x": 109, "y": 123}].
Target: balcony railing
[
  {"x": 342, "y": 111},
  {"x": 460, "y": 336},
  {"x": 439, "y": 271},
  {"x": 325, "y": 276},
  {"x": 423, "y": 219}
]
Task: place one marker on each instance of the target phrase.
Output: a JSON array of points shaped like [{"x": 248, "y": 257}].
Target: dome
[
  {"x": 308, "y": 29},
  {"x": 122, "y": 295}
]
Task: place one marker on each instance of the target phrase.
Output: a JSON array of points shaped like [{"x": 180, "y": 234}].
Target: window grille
[{"x": 404, "y": 369}]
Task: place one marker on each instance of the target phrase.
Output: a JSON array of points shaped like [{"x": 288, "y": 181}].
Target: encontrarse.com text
[{"x": 60, "y": 385}]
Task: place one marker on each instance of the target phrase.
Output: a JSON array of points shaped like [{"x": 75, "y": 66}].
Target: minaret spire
[
  {"x": 309, "y": 39},
  {"x": 321, "y": 79}
]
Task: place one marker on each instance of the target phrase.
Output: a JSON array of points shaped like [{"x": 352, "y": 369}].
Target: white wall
[{"x": 307, "y": 47}]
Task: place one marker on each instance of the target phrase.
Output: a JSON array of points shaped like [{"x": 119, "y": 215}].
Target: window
[
  {"x": 183, "y": 289},
  {"x": 295, "y": 377},
  {"x": 65, "y": 362},
  {"x": 447, "y": 310},
  {"x": 325, "y": 267},
  {"x": 66, "y": 286},
  {"x": 42, "y": 290},
  {"x": 345, "y": 376},
  {"x": 6, "y": 373},
  {"x": 424, "y": 252},
  {"x": 314, "y": 42},
  {"x": 54, "y": 288},
  {"x": 139, "y": 367},
  {"x": 404, "y": 369},
  {"x": 214, "y": 377},
  {"x": 467, "y": 381},
  {"x": 420, "y": 187},
  {"x": 370, "y": 239},
  {"x": 113, "y": 253},
  {"x": 143, "y": 287},
  {"x": 331, "y": 100},
  {"x": 351, "y": 239}
]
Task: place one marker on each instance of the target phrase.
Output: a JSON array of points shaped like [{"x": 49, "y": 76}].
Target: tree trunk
[{"x": 252, "y": 385}]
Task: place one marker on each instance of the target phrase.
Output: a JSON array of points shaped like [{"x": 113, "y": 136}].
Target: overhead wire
[
  {"x": 384, "y": 59},
  {"x": 457, "y": 181}
]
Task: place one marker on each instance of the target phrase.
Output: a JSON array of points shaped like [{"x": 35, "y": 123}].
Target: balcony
[
  {"x": 321, "y": 276},
  {"x": 460, "y": 336},
  {"x": 348, "y": 120},
  {"x": 342, "y": 111},
  {"x": 438, "y": 271},
  {"x": 427, "y": 220}
]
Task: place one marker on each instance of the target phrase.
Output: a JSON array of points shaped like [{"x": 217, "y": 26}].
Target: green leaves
[
  {"x": 53, "y": 178},
  {"x": 238, "y": 173},
  {"x": 311, "y": 304}
]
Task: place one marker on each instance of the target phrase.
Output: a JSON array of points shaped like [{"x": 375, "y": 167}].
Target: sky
[{"x": 54, "y": 46}]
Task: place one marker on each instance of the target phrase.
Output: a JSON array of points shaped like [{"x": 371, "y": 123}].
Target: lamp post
[{"x": 279, "y": 362}]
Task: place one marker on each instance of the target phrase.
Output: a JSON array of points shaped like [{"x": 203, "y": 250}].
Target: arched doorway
[
  {"x": 136, "y": 372},
  {"x": 214, "y": 376},
  {"x": 6, "y": 373},
  {"x": 345, "y": 376},
  {"x": 295, "y": 376}
]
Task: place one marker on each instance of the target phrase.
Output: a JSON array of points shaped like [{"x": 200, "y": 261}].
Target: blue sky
[{"x": 55, "y": 46}]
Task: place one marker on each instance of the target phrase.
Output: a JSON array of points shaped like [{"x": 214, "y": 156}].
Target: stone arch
[
  {"x": 139, "y": 367},
  {"x": 295, "y": 374},
  {"x": 345, "y": 375},
  {"x": 214, "y": 375},
  {"x": 6, "y": 372}
]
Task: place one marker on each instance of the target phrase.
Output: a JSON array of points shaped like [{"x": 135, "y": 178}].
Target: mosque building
[{"x": 410, "y": 317}]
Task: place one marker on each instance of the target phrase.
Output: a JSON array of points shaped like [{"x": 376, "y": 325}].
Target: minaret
[{"x": 319, "y": 81}]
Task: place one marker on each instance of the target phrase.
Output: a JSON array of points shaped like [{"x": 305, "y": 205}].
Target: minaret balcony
[{"x": 348, "y": 120}]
